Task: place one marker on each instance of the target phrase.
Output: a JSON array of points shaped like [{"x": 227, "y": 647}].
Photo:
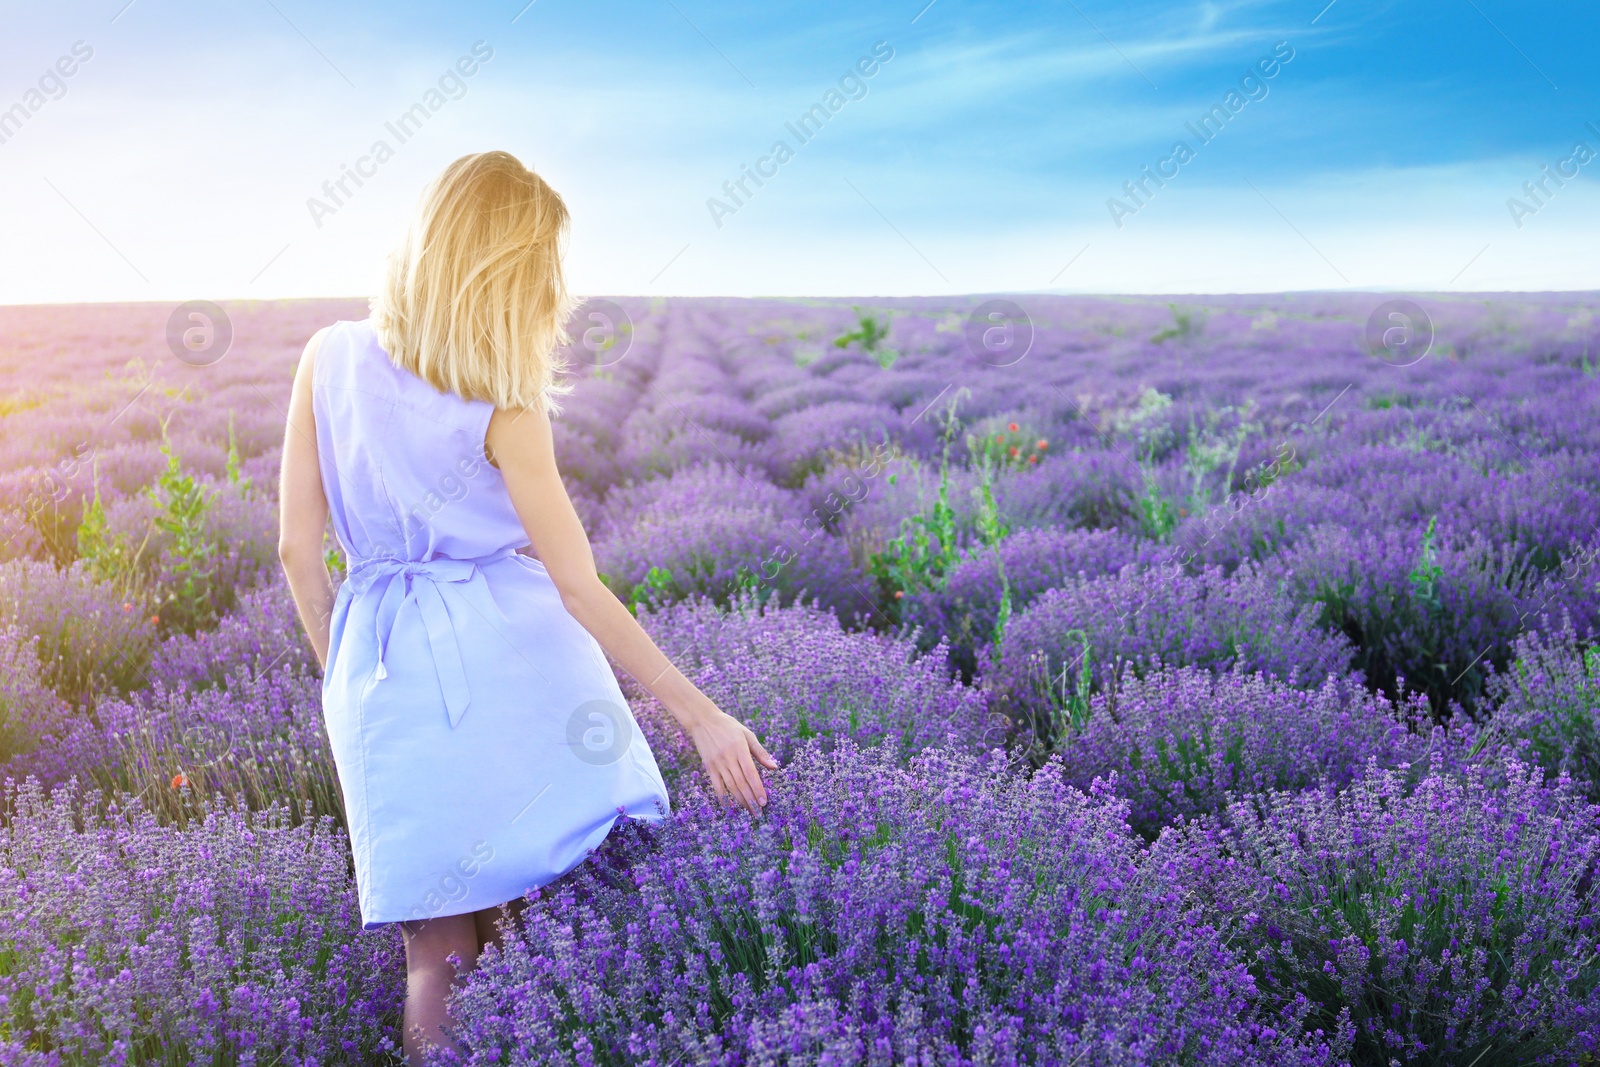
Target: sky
[{"x": 195, "y": 149}]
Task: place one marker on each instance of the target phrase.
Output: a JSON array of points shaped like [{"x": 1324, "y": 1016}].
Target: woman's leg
[
  {"x": 430, "y": 978},
  {"x": 487, "y": 921}
]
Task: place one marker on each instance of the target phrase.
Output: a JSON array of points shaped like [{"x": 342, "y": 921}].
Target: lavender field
[{"x": 1157, "y": 682}]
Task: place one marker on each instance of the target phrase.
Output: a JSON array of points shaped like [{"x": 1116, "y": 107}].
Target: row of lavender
[{"x": 1189, "y": 685}]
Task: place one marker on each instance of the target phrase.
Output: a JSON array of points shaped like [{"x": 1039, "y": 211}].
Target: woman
[{"x": 483, "y": 745}]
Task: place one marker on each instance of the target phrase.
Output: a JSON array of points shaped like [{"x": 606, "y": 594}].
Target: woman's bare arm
[
  {"x": 303, "y": 511},
  {"x": 521, "y": 444}
]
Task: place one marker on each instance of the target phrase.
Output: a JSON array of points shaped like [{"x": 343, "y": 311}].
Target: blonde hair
[{"x": 473, "y": 300}]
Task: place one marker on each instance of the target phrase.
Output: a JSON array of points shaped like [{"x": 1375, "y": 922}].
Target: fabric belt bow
[{"x": 421, "y": 580}]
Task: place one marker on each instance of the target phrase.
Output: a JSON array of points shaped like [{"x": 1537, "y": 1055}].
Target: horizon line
[{"x": 802, "y": 297}]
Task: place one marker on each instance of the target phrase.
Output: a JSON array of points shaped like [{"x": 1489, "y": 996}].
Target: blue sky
[{"x": 178, "y": 160}]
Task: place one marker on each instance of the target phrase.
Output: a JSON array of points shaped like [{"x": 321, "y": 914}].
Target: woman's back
[{"x": 403, "y": 464}]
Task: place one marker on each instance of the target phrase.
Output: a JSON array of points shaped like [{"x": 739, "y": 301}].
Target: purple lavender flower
[
  {"x": 804, "y": 439},
  {"x": 1091, "y": 489},
  {"x": 910, "y": 898}
]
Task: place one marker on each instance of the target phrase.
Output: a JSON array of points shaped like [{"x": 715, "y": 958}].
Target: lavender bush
[
  {"x": 1089, "y": 489},
  {"x": 1183, "y": 742},
  {"x": 804, "y": 440},
  {"x": 1547, "y": 704},
  {"x": 1090, "y": 632},
  {"x": 31, "y": 714},
  {"x": 946, "y": 912},
  {"x": 233, "y": 940},
  {"x": 262, "y": 632},
  {"x": 713, "y": 531},
  {"x": 794, "y": 674},
  {"x": 1450, "y": 922},
  {"x": 1419, "y": 605},
  {"x": 91, "y": 639},
  {"x": 965, "y": 612},
  {"x": 257, "y": 740}
]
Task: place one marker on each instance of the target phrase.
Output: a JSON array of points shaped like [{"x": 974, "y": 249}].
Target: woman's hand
[{"x": 730, "y": 752}]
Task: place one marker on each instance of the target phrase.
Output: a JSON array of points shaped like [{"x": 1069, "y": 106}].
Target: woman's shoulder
[
  {"x": 338, "y": 348},
  {"x": 365, "y": 366},
  {"x": 349, "y": 331}
]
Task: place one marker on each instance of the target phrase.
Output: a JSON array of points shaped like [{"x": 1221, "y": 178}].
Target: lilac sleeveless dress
[{"x": 482, "y": 742}]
